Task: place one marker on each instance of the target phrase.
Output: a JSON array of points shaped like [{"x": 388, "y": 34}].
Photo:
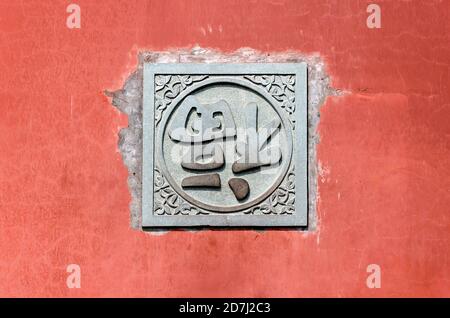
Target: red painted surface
[{"x": 384, "y": 152}]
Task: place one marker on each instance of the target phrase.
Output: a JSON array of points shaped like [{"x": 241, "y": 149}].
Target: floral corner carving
[
  {"x": 168, "y": 87},
  {"x": 281, "y": 88}
]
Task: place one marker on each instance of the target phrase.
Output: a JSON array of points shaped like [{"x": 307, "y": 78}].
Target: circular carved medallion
[{"x": 225, "y": 144}]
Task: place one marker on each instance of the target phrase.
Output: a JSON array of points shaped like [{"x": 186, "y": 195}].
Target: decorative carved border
[
  {"x": 168, "y": 87},
  {"x": 280, "y": 87},
  {"x": 168, "y": 202}
]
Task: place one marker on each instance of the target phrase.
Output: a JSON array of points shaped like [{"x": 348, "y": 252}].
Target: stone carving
[
  {"x": 280, "y": 87},
  {"x": 205, "y": 127},
  {"x": 254, "y": 144},
  {"x": 219, "y": 145},
  {"x": 239, "y": 187},
  {"x": 168, "y": 202},
  {"x": 283, "y": 196},
  {"x": 167, "y": 87}
]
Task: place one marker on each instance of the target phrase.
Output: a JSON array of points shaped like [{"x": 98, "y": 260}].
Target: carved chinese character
[{"x": 198, "y": 126}]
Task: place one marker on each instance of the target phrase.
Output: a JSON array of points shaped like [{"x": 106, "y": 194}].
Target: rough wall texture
[
  {"x": 383, "y": 156},
  {"x": 129, "y": 101}
]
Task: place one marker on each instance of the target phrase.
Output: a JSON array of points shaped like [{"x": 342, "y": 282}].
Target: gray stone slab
[{"x": 225, "y": 145}]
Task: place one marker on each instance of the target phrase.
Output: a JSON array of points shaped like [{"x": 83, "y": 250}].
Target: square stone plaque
[{"x": 225, "y": 145}]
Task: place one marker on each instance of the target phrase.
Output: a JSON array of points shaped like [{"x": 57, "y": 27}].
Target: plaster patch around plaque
[{"x": 129, "y": 101}]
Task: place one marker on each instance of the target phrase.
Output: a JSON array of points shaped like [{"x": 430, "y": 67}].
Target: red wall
[{"x": 384, "y": 151}]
